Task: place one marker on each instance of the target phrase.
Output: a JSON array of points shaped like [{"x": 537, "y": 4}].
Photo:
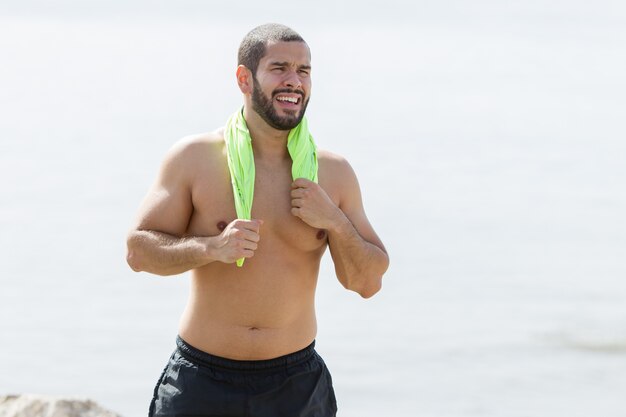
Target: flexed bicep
[
  {"x": 168, "y": 206},
  {"x": 158, "y": 242}
]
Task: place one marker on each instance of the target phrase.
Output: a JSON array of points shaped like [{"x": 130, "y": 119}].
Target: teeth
[{"x": 289, "y": 99}]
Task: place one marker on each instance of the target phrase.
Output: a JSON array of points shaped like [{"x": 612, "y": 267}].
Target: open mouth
[{"x": 289, "y": 99}]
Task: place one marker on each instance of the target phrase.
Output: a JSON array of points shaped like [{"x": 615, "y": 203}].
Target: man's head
[
  {"x": 254, "y": 44},
  {"x": 279, "y": 63}
]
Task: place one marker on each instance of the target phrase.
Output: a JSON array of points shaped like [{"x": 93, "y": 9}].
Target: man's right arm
[
  {"x": 157, "y": 244},
  {"x": 164, "y": 254}
]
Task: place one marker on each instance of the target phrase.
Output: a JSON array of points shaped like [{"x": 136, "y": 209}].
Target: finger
[
  {"x": 296, "y": 202},
  {"x": 300, "y": 183},
  {"x": 247, "y": 254},
  {"x": 295, "y": 211},
  {"x": 249, "y": 245},
  {"x": 297, "y": 192},
  {"x": 251, "y": 236},
  {"x": 253, "y": 225}
]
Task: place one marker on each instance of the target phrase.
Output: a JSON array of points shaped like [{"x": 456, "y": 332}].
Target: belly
[{"x": 262, "y": 310}]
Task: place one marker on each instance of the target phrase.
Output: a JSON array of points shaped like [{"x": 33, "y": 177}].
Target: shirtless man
[{"x": 246, "y": 338}]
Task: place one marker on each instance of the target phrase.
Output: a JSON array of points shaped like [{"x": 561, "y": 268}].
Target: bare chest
[{"x": 214, "y": 208}]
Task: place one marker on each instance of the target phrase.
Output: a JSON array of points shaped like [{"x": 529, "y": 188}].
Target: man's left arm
[{"x": 359, "y": 255}]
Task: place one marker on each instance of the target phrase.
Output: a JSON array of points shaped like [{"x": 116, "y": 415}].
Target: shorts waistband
[{"x": 203, "y": 358}]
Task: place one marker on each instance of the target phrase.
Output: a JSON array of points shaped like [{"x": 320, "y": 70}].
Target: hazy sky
[{"x": 388, "y": 11}]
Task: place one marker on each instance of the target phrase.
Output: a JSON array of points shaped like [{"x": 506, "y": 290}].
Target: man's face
[{"x": 282, "y": 84}]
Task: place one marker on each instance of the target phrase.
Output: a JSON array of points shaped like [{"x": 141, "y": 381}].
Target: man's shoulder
[
  {"x": 197, "y": 146},
  {"x": 198, "y": 141},
  {"x": 335, "y": 173},
  {"x": 331, "y": 162},
  {"x": 327, "y": 157},
  {"x": 193, "y": 153}
]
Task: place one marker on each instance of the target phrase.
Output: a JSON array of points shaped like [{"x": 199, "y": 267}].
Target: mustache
[{"x": 287, "y": 90}]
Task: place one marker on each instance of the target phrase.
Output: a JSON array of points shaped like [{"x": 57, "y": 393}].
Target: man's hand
[
  {"x": 310, "y": 203},
  {"x": 238, "y": 240}
]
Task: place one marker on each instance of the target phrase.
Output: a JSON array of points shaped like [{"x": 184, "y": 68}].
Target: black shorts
[{"x": 195, "y": 383}]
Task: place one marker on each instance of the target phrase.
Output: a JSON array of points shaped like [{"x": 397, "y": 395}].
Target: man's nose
[{"x": 293, "y": 80}]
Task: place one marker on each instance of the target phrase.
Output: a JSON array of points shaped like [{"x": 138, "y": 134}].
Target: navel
[
  {"x": 221, "y": 225},
  {"x": 321, "y": 234}
]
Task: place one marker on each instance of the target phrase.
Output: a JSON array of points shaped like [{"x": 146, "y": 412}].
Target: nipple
[
  {"x": 222, "y": 225},
  {"x": 321, "y": 234}
]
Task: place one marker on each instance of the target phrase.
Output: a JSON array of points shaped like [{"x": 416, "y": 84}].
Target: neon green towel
[{"x": 301, "y": 148}]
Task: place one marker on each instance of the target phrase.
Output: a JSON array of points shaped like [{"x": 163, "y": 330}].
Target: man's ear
[{"x": 244, "y": 79}]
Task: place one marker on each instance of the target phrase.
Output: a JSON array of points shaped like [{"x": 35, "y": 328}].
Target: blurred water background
[{"x": 489, "y": 138}]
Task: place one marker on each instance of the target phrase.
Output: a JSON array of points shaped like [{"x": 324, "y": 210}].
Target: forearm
[
  {"x": 164, "y": 254},
  {"x": 359, "y": 264}
]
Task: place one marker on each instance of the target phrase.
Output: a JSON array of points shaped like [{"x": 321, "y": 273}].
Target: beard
[{"x": 264, "y": 107}]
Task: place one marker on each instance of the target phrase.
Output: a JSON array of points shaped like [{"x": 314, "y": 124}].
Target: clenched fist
[
  {"x": 239, "y": 239},
  {"x": 310, "y": 203}
]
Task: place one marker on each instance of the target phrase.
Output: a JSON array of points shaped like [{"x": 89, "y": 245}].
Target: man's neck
[{"x": 268, "y": 143}]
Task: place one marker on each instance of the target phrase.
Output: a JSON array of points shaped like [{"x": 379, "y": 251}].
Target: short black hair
[{"x": 253, "y": 45}]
